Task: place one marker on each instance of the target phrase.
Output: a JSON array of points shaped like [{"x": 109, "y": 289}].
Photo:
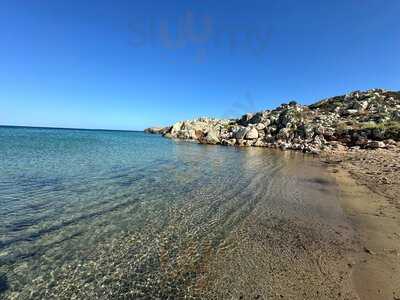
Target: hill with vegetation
[{"x": 361, "y": 119}]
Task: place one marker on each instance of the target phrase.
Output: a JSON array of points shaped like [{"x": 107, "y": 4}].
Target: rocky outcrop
[
  {"x": 210, "y": 137},
  {"x": 157, "y": 130},
  {"x": 369, "y": 119}
]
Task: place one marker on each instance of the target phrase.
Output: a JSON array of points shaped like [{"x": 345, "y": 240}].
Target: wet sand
[
  {"x": 370, "y": 188},
  {"x": 363, "y": 263},
  {"x": 301, "y": 252}
]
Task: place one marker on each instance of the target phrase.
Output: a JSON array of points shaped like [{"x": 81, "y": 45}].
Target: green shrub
[{"x": 388, "y": 130}]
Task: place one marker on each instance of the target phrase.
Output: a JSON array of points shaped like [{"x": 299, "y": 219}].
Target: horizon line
[{"x": 68, "y": 128}]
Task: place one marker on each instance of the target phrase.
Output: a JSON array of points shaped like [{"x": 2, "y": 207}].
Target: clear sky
[{"x": 133, "y": 64}]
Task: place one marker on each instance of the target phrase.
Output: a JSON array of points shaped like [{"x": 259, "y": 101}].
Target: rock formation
[
  {"x": 157, "y": 130},
  {"x": 369, "y": 119}
]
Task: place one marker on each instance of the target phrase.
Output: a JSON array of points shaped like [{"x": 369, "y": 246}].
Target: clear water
[{"x": 107, "y": 214}]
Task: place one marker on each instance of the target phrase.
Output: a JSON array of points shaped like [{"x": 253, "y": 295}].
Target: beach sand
[{"x": 370, "y": 188}]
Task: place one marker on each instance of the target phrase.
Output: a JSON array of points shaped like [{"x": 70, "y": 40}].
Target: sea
[{"x": 99, "y": 214}]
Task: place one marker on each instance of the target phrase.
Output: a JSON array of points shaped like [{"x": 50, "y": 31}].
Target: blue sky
[{"x": 133, "y": 64}]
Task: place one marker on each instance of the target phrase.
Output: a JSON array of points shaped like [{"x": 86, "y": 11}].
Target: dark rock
[{"x": 244, "y": 120}]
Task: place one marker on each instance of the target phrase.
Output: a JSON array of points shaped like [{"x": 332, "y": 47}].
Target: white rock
[
  {"x": 352, "y": 111},
  {"x": 176, "y": 127},
  {"x": 211, "y": 137},
  {"x": 252, "y": 134},
  {"x": 376, "y": 144},
  {"x": 259, "y": 143},
  {"x": 260, "y": 126}
]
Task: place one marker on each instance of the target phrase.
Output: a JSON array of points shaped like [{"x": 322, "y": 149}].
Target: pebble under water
[{"x": 127, "y": 215}]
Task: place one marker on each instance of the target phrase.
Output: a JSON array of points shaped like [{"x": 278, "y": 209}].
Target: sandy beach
[{"x": 370, "y": 186}]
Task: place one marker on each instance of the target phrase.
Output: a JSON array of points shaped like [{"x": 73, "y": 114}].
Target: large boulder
[
  {"x": 176, "y": 128},
  {"x": 211, "y": 137},
  {"x": 241, "y": 133},
  {"x": 252, "y": 134},
  {"x": 199, "y": 134}
]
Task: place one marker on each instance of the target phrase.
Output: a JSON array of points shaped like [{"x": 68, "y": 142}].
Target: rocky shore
[
  {"x": 358, "y": 120},
  {"x": 358, "y": 136}
]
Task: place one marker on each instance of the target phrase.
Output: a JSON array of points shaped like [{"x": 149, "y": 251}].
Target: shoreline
[
  {"x": 270, "y": 224},
  {"x": 373, "y": 211},
  {"x": 372, "y": 208},
  {"x": 369, "y": 185}
]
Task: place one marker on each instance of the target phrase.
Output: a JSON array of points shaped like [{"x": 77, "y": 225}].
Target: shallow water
[{"x": 108, "y": 214}]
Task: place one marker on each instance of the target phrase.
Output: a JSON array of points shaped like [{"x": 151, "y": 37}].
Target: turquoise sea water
[{"x": 112, "y": 214}]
